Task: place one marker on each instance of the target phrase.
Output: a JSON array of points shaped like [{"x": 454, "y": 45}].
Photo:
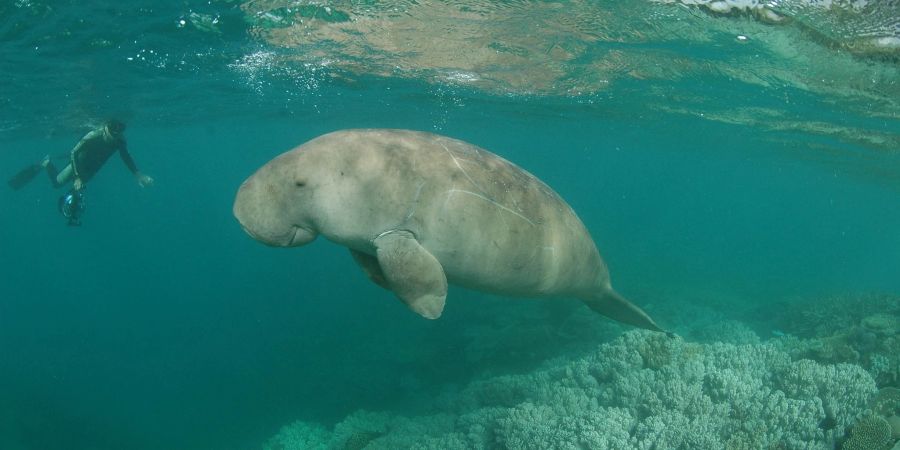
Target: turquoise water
[{"x": 725, "y": 182}]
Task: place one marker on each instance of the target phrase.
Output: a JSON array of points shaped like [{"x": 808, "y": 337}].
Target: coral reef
[
  {"x": 886, "y": 402},
  {"x": 871, "y": 433},
  {"x": 880, "y": 428},
  {"x": 299, "y": 435},
  {"x": 894, "y": 422},
  {"x": 640, "y": 391},
  {"x": 859, "y": 329}
]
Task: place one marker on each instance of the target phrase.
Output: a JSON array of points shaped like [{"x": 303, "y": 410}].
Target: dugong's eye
[{"x": 299, "y": 183}]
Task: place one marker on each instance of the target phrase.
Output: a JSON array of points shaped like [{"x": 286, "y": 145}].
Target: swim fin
[{"x": 24, "y": 176}]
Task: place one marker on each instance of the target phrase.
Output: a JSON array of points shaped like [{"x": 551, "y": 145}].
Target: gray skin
[{"x": 418, "y": 211}]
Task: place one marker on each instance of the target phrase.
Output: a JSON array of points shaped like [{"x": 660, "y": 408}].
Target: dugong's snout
[
  {"x": 241, "y": 207},
  {"x": 256, "y": 208}
]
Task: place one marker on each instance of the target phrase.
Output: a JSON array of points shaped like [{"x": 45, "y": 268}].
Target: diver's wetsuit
[{"x": 89, "y": 156}]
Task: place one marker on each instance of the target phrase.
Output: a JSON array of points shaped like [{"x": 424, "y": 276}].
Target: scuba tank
[{"x": 71, "y": 205}]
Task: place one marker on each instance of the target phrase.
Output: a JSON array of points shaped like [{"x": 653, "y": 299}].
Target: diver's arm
[
  {"x": 142, "y": 179},
  {"x": 127, "y": 159}
]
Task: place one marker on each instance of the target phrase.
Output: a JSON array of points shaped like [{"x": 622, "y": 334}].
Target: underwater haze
[{"x": 737, "y": 163}]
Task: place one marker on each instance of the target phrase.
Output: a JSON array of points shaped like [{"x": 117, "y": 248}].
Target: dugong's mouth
[
  {"x": 294, "y": 237},
  {"x": 298, "y": 237}
]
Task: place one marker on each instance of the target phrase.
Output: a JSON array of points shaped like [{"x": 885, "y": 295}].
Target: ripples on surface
[
  {"x": 820, "y": 67},
  {"x": 844, "y": 53}
]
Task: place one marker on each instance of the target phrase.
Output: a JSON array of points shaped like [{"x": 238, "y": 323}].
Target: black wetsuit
[{"x": 90, "y": 155}]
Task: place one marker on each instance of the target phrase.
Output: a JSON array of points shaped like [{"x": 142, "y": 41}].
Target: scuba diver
[{"x": 85, "y": 160}]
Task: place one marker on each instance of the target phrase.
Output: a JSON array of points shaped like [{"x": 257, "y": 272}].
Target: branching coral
[
  {"x": 862, "y": 329},
  {"x": 641, "y": 391},
  {"x": 300, "y": 436},
  {"x": 886, "y": 402}
]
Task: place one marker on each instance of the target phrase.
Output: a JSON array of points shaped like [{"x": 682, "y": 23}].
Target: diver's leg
[
  {"x": 59, "y": 178},
  {"x": 65, "y": 176}
]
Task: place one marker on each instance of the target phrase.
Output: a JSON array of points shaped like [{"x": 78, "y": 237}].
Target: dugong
[{"x": 418, "y": 211}]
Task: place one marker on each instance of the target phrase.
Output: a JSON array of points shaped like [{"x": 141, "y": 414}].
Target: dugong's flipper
[
  {"x": 370, "y": 266},
  {"x": 609, "y": 303},
  {"x": 412, "y": 273}
]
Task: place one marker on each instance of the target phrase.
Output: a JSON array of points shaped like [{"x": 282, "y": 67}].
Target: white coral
[
  {"x": 642, "y": 391},
  {"x": 300, "y": 436}
]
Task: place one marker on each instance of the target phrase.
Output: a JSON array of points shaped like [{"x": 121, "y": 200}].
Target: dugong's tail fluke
[{"x": 609, "y": 303}]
